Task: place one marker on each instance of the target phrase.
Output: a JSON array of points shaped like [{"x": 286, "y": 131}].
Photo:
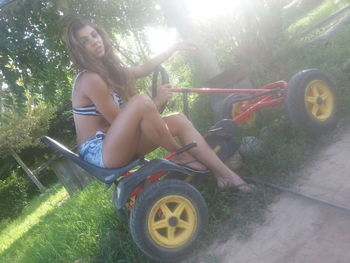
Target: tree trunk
[{"x": 27, "y": 170}]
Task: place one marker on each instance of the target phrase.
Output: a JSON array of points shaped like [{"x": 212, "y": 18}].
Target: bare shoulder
[
  {"x": 91, "y": 81},
  {"x": 92, "y": 78}
]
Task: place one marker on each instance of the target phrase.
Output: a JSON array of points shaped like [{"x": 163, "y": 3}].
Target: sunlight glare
[
  {"x": 204, "y": 9},
  {"x": 160, "y": 39}
]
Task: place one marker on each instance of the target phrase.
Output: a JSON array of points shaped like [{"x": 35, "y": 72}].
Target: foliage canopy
[{"x": 34, "y": 62}]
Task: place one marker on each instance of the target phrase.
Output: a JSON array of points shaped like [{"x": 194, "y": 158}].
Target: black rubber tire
[
  {"x": 228, "y": 105},
  {"x": 164, "y": 80},
  {"x": 147, "y": 205},
  {"x": 176, "y": 176},
  {"x": 224, "y": 148},
  {"x": 298, "y": 109}
]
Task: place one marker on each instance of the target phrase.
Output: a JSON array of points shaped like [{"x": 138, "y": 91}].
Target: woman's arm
[
  {"x": 150, "y": 66},
  {"x": 95, "y": 88}
]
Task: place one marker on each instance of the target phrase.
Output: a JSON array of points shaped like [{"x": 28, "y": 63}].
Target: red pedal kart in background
[
  {"x": 309, "y": 100},
  {"x": 167, "y": 213}
]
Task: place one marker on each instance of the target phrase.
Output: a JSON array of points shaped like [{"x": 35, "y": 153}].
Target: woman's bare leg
[
  {"x": 146, "y": 146},
  {"x": 139, "y": 118},
  {"x": 181, "y": 127}
]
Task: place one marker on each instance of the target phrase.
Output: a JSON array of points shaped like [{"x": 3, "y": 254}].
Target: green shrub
[
  {"x": 7, "y": 165},
  {"x": 13, "y": 196},
  {"x": 201, "y": 113}
]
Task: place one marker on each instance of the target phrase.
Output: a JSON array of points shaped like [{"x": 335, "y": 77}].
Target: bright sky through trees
[
  {"x": 198, "y": 10},
  {"x": 204, "y": 9}
]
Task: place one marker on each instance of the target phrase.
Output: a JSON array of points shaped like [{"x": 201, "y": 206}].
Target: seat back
[{"x": 105, "y": 175}]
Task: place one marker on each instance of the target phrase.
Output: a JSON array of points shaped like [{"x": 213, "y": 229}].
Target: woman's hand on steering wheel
[
  {"x": 163, "y": 95},
  {"x": 184, "y": 46}
]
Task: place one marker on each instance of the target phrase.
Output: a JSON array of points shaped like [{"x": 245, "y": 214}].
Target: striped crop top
[{"x": 90, "y": 110}]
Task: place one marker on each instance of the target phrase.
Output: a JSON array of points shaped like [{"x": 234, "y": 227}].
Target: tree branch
[
  {"x": 27, "y": 170},
  {"x": 334, "y": 29},
  {"x": 325, "y": 21}
]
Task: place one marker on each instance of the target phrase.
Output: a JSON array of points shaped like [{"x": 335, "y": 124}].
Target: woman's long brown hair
[{"x": 110, "y": 68}]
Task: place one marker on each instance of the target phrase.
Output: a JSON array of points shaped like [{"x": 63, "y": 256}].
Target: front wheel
[
  {"x": 167, "y": 219},
  {"x": 311, "y": 102}
]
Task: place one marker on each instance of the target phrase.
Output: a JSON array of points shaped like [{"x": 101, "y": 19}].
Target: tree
[
  {"x": 21, "y": 129},
  {"x": 35, "y": 71},
  {"x": 32, "y": 48}
]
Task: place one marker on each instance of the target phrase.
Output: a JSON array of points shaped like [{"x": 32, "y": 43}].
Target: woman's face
[{"x": 91, "y": 41}]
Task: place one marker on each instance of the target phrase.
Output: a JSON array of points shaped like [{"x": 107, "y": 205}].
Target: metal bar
[
  {"x": 47, "y": 163},
  {"x": 185, "y": 103},
  {"x": 276, "y": 85},
  {"x": 207, "y": 90},
  {"x": 287, "y": 190},
  {"x": 254, "y": 96},
  {"x": 266, "y": 101},
  {"x": 52, "y": 159},
  {"x": 256, "y": 107}
]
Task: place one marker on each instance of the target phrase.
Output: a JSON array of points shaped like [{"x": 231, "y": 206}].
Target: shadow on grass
[
  {"x": 85, "y": 228},
  {"x": 29, "y": 209}
]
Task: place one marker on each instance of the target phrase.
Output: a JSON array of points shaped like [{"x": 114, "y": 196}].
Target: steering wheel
[{"x": 164, "y": 80}]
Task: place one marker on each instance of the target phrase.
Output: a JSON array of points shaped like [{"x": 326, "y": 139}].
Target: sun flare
[
  {"x": 204, "y": 9},
  {"x": 161, "y": 38},
  {"x": 198, "y": 10}
]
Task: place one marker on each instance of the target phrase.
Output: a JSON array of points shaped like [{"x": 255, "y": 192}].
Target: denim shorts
[{"x": 91, "y": 150}]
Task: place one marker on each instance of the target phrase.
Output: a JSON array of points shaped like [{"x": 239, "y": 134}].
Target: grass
[
  {"x": 31, "y": 216},
  {"x": 84, "y": 228},
  {"x": 321, "y": 12}
]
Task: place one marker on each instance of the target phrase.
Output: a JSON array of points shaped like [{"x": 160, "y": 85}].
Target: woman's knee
[
  {"x": 142, "y": 102},
  {"x": 182, "y": 119},
  {"x": 177, "y": 123}
]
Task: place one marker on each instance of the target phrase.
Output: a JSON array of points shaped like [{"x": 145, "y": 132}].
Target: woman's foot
[
  {"x": 234, "y": 182},
  {"x": 186, "y": 159}
]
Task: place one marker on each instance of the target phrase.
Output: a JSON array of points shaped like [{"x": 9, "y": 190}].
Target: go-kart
[
  {"x": 167, "y": 213},
  {"x": 309, "y": 99}
]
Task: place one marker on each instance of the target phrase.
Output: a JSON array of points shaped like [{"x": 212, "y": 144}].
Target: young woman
[{"x": 113, "y": 124}]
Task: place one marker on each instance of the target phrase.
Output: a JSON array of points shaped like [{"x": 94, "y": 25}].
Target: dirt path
[{"x": 298, "y": 230}]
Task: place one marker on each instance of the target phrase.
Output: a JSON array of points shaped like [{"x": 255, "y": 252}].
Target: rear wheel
[
  {"x": 311, "y": 102},
  {"x": 167, "y": 219},
  {"x": 232, "y": 109}
]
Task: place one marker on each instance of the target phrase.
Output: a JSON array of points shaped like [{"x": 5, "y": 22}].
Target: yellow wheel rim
[
  {"x": 237, "y": 110},
  {"x": 319, "y": 100},
  {"x": 172, "y": 221}
]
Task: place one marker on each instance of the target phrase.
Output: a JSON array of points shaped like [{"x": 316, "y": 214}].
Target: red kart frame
[{"x": 269, "y": 95}]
